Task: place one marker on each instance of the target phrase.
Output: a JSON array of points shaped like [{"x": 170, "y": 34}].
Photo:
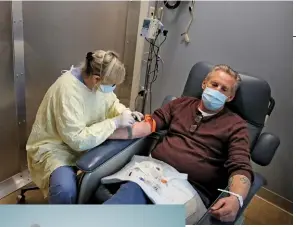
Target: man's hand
[{"x": 226, "y": 209}]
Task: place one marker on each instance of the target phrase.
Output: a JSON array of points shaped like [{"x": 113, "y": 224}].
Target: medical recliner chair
[{"x": 253, "y": 102}]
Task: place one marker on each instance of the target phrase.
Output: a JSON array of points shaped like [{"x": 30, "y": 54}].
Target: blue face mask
[
  {"x": 212, "y": 99},
  {"x": 107, "y": 88}
]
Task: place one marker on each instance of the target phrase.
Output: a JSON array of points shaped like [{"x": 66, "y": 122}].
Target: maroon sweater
[{"x": 218, "y": 149}]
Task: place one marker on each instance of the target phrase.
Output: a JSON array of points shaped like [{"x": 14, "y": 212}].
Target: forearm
[
  {"x": 239, "y": 184},
  {"x": 226, "y": 208},
  {"x": 139, "y": 129}
]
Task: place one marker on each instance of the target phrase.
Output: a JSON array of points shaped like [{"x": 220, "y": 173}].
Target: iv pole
[{"x": 147, "y": 85}]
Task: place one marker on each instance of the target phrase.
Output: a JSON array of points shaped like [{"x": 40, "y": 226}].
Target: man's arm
[
  {"x": 139, "y": 129},
  {"x": 240, "y": 174},
  {"x": 161, "y": 116},
  {"x": 226, "y": 209},
  {"x": 238, "y": 163},
  {"x": 240, "y": 185}
]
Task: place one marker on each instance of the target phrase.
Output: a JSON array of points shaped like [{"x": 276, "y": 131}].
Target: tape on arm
[{"x": 148, "y": 118}]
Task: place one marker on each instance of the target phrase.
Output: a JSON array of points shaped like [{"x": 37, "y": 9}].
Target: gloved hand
[
  {"x": 138, "y": 116},
  {"x": 124, "y": 120}
]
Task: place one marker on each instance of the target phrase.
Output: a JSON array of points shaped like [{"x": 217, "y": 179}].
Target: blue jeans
[
  {"x": 63, "y": 186},
  {"x": 129, "y": 193}
]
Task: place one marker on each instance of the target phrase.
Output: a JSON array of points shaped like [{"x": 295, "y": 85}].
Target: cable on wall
[{"x": 186, "y": 33}]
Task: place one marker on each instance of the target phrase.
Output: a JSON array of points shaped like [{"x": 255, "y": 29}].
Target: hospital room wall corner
[{"x": 253, "y": 37}]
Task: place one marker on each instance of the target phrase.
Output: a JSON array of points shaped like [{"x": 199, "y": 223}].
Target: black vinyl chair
[{"x": 253, "y": 102}]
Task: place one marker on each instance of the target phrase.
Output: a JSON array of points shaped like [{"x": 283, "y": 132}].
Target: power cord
[
  {"x": 152, "y": 54},
  {"x": 155, "y": 73},
  {"x": 186, "y": 33}
]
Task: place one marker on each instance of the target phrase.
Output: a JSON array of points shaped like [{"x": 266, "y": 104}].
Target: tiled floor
[{"x": 259, "y": 212}]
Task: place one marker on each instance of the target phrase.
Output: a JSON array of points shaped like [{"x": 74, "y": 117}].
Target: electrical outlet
[{"x": 151, "y": 11}]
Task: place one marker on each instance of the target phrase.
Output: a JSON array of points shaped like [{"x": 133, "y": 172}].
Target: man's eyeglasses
[{"x": 198, "y": 120}]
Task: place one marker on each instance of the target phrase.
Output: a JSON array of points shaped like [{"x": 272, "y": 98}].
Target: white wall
[{"x": 255, "y": 37}]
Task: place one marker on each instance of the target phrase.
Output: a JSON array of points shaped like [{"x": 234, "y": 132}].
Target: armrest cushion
[
  {"x": 207, "y": 219},
  {"x": 112, "y": 163},
  {"x": 100, "y": 154},
  {"x": 265, "y": 149}
]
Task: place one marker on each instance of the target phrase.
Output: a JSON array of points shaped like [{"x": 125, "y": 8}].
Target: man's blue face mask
[
  {"x": 107, "y": 88},
  {"x": 213, "y": 99}
]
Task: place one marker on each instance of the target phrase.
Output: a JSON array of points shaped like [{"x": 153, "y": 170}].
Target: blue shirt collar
[{"x": 77, "y": 73}]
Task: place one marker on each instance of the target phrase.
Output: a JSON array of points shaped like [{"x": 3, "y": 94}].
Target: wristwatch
[{"x": 239, "y": 197}]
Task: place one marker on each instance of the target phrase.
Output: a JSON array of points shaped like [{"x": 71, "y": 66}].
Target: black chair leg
[{"x": 21, "y": 198}]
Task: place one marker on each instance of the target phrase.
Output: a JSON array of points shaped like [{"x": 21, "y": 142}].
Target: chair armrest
[
  {"x": 168, "y": 99},
  {"x": 207, "y": 219},
  {"x": 159, "y": 135},
  {"x": 265, "y": 149},
  {"x": 111, "y": 163},
  {"x": 100, "y": 154}
]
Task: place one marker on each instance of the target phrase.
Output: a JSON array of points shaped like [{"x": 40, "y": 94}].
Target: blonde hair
[
  {"x": 105, "y": 64},
  {"x": 227, "y": 69}
]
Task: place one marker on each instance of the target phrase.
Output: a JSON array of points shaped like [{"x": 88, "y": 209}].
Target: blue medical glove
[{"x": 124, "y": 120}]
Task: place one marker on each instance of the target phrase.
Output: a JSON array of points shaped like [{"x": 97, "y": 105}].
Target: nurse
[{"x": 79, "y": 112}]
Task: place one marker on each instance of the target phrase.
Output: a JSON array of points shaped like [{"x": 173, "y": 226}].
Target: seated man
[{"x": 205, "y": 140}]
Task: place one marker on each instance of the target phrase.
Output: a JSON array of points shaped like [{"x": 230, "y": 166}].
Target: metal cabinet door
[{"x": 9, "y": 150}]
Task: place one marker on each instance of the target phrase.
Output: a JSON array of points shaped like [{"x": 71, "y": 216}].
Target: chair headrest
[{"x": 251, "y": 100}]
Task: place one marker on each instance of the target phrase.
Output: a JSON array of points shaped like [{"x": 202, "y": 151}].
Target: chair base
[{"x": 21, "y": 198}]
